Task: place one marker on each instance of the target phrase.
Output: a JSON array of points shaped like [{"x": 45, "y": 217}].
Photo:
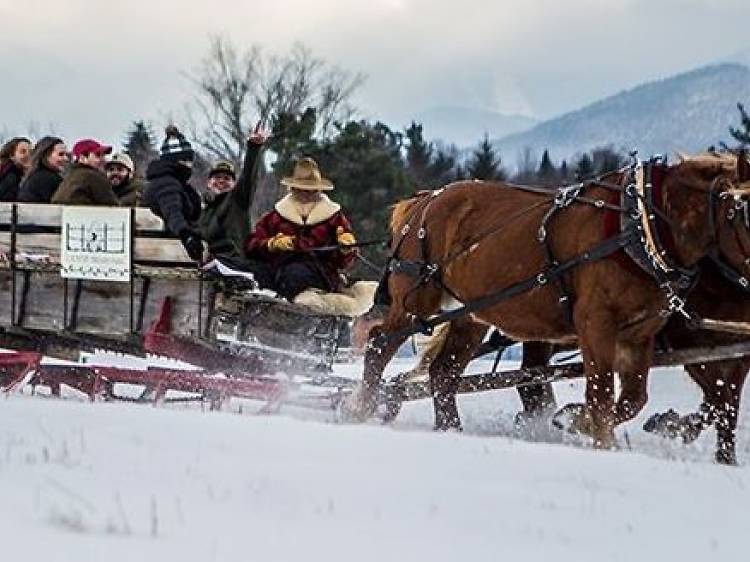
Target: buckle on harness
[{"x": 675, "y": 303}]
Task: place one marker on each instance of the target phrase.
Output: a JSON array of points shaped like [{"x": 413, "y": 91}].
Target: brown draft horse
[
  {"x": 721, "y": 381},
  {"x": 483, "y": 238}
]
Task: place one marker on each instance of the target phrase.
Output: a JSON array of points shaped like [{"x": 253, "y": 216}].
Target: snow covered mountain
[{"x": 687, "y": 112}]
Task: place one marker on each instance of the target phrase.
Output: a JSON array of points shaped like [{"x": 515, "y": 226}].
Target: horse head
[{"x": 706, "y": 197}]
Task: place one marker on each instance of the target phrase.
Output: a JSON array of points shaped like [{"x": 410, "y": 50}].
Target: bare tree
[
  {"x": 224, "y": 102},
  {"x": 235, "y": 88}
]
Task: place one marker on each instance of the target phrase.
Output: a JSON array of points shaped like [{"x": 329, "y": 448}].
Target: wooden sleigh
[{"x": 242, "y": 344}]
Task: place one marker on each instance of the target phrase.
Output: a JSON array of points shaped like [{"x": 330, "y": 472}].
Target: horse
[
  {"x": 547, "y": 271},
  {"x": 720, "y": 381}
]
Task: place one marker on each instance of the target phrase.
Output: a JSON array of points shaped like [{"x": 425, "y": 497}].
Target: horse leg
[
  {"x": 634, "y": 359},
  {"x": 364, "y": 400},
  {"x": 597, "y": 342},
  {"x": 722, "y": 383},
  {"x": 462, "y": 340},
  {"x": 536, "y": 398}
]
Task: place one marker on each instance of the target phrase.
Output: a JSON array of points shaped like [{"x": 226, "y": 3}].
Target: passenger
[
  {"x": 287, "y": 237},
  {"x": 225, "y": 219},
  {"x": 48, "y": 161},
  {"x": 120, "y": 172},
  {"x": 15, "y": 160},
  {"x": 85, "y": 182},
  {"x": 169, "y": 195}
]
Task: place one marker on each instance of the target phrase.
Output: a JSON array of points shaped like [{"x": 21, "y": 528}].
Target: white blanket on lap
[{"x": 352, "y": 301}]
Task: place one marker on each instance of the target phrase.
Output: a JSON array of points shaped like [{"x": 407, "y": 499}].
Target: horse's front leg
[
  {"x": 722, "y": 383},
  {"x": 597, "y": 339},
  {"x": 462, "y": 339},
  {"x": 634, "y": 359},
  {"x": 364, "y": 400}
]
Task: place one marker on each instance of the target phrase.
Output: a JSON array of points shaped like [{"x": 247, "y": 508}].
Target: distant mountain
[
  {"x": 740, "y": 57},
  {"x": 687, "y": 112},
  {"x": 466, "y": 127}
]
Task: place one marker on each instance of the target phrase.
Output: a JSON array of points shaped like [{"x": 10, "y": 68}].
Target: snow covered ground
[{"x": 115, "y": 482}]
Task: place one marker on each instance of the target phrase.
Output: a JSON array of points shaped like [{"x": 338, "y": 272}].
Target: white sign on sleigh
[{"x": 95, "y": 243}]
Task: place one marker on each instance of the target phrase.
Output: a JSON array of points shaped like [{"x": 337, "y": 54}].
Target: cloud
[{"x": 92, "y": 67}]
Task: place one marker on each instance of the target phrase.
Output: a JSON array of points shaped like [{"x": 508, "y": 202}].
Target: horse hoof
[
  {"x": 691, "y": 427},
  {"x": 449, "y": 426},
  {"x": 726, "y": 457},
  {"x": 573, "y": 418},
  {"x": 666, "y": 424},
  {"x": 672, "y": 426},
  {"x": 357, "y": 407}
]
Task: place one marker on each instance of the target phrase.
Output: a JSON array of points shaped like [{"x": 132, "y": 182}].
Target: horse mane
[
  {"x": 402, "y": 209},
  {"x": 710, "y": 159}
]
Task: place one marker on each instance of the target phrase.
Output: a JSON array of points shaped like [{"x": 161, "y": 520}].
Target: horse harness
[{"x": 640, "y": 235}]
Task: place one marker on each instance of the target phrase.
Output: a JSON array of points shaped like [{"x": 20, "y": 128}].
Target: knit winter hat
[
  {"x": 176, "y": 148},
  {"x": 223, "y": 167}
]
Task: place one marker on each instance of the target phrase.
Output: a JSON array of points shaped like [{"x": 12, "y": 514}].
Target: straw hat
[{"x": 307, "y": 176}]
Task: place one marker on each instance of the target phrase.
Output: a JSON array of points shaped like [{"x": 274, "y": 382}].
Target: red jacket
[{"x": 316, "y": 230}]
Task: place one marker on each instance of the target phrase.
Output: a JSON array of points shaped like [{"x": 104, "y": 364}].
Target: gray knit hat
[{"x": 176, "y": 148}]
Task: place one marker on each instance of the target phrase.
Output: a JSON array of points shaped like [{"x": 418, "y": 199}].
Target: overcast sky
[{"x": 90, "y": 67}]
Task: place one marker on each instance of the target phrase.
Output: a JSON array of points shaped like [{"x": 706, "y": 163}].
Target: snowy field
[{"x": 115, "y": 482}]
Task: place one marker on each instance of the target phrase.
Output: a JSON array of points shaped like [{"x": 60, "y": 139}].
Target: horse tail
[{"x": 402, "y": 211}]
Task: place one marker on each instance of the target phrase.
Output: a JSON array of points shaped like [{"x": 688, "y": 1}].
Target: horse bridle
[{"x": 738, "y": 212}]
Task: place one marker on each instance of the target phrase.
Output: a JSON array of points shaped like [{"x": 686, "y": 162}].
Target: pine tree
[
  {"x": 442, "y": 168},
  {"x": 292, "y": 138},
  {"x": 418, "y": 155},
  {"x": 742, "y": 135},
  {"x": 606, "y": 159},
  {"x": 484, "y": 163},
  {"x": 547, "y": 174},
  {"x": 140, "y": 146},
  {"x": 584, "y": 168},
  {"x": 564, "y": 173}
]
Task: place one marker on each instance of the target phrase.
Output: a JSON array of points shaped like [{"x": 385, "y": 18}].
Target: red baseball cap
[{"x": 87, "y": 146}]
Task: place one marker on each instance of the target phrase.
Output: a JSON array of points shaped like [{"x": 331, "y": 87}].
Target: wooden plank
[
  {"x": 5, "y": 213},
  {"x": 160, "y": 249},
  {"x": 146, "y": 220},
  {"x": 39, "y": 214},
  {"x": 104, "y": 308},
  {"x": 48, "y": 215},
  {"x": 5, "y": 298},
  {"x": 146, "y": 249}
]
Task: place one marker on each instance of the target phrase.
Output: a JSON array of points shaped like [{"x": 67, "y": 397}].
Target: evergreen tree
[
  {"x": 442, "y": 169},
  {"x": 484, "y": 163},
  {"x": 140, "y": 146},
  {"x": 606, "y": 159},
  {"x": 742, "y": 135},
  {"x": 547, "y": 174},
  {"x": 564, "y": 172},
  {"x": 418, "y": 155},
  {"x": 292, "y": 137},
  {"x": 584, "y": 168}
]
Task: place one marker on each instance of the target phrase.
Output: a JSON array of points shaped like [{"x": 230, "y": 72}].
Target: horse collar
[{"x": 653, "y": 249}]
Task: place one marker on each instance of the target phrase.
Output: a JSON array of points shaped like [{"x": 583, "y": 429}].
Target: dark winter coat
[
  {"x": 39, "y": 186},
  {"x": 169, "y": 195},
  {"x": 225, "y": 219},
  {"x": 316, "y": 230},
  {"x": 130, "y": 194},
  {"x": 84, "y": 185},
  {"x": 10, "y": 179}
]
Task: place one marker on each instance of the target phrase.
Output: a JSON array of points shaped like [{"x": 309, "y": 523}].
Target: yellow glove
[
  {"x": 281, "y": 243},
  {"x": 345, "y": 239}
]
